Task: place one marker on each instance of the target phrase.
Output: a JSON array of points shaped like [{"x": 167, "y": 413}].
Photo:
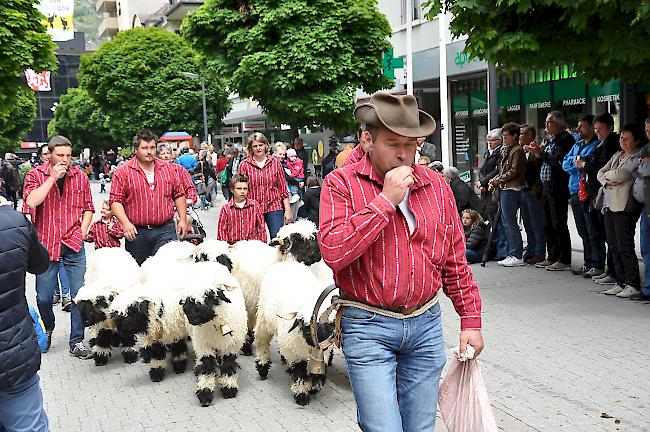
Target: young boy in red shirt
[
  {"x": 240, "y": 218},
  {"x": 107, "y": 231}
]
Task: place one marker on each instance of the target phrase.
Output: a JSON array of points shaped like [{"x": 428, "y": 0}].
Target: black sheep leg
[
  {"x": 247, "y": 348},
  {"x": 228, "y": 376},
  {"x": 178, "y": 350},
  {"x": 300, "y": 382},
  {"x": 102, "y": 348},
  {"x": 205, "y": 371},
  {"x": 158, "y": 353},
  {"x": 130, "y": 354}
]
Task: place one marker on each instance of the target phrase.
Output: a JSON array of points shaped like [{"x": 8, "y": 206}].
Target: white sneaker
[
  {"x": 627, "y": 292},
  {"x": 613, "y": 290},
  {"x": 503, "y": 261},
  {"x": 514, "y": 262}
]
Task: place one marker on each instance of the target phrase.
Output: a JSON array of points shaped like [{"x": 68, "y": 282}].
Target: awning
[{"x": 176, "y": 136}]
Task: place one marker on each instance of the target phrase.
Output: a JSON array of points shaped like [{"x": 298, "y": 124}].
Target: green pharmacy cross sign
[{"x": 391, "y": 63}]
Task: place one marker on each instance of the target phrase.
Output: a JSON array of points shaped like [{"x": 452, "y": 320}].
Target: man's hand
[
  {"x": 580, "y": 163},
  {"x": 182, "y": 229},
  {"x": 396, "y": 183},
  {"x": 58, "y": 170},
  {"x": 612, "y": 183},
  {"x": 473, "y": 338},
  {"x": 288, "y": 217},
  {"x": 130, "y": 231}
]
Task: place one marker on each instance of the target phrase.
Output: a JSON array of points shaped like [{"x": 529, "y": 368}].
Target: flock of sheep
[{"x": 220, "y": 298}]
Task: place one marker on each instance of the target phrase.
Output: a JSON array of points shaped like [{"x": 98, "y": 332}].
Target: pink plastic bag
[{"x": 463, "y": 400}]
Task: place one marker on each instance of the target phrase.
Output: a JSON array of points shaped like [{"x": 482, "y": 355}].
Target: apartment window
[{"x": 417, "y": 10}]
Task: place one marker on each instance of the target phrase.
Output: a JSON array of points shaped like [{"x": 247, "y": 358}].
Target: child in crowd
[
  {"x": 424, "y": 160},
  {"x": 201, "y": 190},
  {"x": 475, "y": 235},
  {"x": 102, "y": 183},
  {"x": 241, "y": 218},
  {"x": 295, "y": 165},
  {"x": 107, "y": 231},
  {"x": 311, "y": 199}
]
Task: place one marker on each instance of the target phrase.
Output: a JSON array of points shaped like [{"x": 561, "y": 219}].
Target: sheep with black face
[
  {"x": 298, "y": 241},
  {"x": 153, "y": 314},
  {"x": 288, "y": 295},
  {"x": 102, "y": 284},
  {"x": 214, "y": 307}
]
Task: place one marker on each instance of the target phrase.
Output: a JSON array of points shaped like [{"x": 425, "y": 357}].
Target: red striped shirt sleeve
[{"x": 344, "y": 235}]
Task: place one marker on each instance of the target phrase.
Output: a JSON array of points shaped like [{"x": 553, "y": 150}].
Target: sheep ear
[
  {"x": 289, "y": 316},
  {"x": 277, "y": 242},
  {"x": 295, "y": 325},
  {"x": 111, "y": 297}
]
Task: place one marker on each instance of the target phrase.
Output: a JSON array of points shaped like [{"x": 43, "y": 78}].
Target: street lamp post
[{"x": 206, "y": 136}]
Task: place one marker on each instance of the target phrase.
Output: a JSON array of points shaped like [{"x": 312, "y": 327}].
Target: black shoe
[
  {"x": 66, "y": 304},
  {"x": 57, "y": 298},
  {"x": 49, "y": 340},
  {"x": 580, "y": 270},
  {"x": 639, "y": 296}
]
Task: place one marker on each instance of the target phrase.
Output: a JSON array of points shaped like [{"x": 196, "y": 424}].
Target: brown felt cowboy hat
[{"x": 399, "y": 114}]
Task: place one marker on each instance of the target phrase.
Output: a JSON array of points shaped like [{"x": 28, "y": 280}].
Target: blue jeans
[
  {"x": 593, "y": 251},
  {"x": 472, "y": 256},
  {"x": 63, "y": 280},
  {"x": 148, "y": 240},
  {"x": 21, "y": 408},
  {"x": 47, "y": 283},
  {"x": 532, "y": 212},
  {"x": 645, "y": 250},
  {"x": 394, "y": 367},
  {"x": 274, "y": 221},
  {"x": 510, "y": 201}
]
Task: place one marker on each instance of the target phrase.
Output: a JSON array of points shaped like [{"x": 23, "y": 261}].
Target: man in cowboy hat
[{"x": 391, "y": 233}]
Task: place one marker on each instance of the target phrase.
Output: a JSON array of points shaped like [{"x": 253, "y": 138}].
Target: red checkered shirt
[
  {"x": 105, "y": 233},
  {"x": 365, "y": 239},
  {"x": 188, "y": 185},
  {"x": 245, "y": 223},
  {"x": 143, "y": 204},
  {"x": 58, "y": 218},
  {"x": 267, "y": 185}
]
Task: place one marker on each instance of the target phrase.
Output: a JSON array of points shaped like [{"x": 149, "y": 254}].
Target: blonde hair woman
[{"x": 267, "y": 186}]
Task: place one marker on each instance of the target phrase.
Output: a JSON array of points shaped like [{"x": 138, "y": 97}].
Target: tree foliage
[
  {"x": 602, "y": 39},
  {"x": 302, "y": 60},
  {"x": 17, "y": 120},
  {"x": 136, "y": 81},
  {"x": 24, "y": 43},
  {"x": 79, "y": 118}
]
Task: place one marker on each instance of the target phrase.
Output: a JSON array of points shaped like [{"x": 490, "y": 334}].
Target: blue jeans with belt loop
[{"x": 394, "y": 367}]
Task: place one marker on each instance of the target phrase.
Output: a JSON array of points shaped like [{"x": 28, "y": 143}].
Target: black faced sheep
[
  {"x": 288, "y": 295},
  {"x": 102, "y": 284},
  {"x": 154, "y": 314},
  {"x": 215, "y": 310}
]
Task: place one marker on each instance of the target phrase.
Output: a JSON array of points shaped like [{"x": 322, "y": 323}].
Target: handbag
[{"x": 600, "y": 198}]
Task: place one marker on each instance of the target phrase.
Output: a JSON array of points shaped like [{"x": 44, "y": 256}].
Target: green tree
[
  {"x": 24, "y": 43},
  {"x": 136, "y": 79},
  {"x": 602, "y": 39},
  {"x": 17, "y": 120},
  {"x": 302, "y": 60},
  {"x": 79, "y": 118}
]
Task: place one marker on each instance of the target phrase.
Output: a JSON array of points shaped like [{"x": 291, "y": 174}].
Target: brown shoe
[
  {"x": 533, "y": 260},
  {"x": 544, "y": 264}
]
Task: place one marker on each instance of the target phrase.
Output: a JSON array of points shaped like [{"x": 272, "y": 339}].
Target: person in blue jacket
[
  {"x": 21, "y": 399},
  {"x": 592, "y": 241}
]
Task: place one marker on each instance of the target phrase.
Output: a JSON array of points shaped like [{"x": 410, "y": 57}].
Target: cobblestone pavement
[{"x": 558, "y": 356}]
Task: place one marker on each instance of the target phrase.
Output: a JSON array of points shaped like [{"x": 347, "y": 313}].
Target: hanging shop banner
[
  {"x": 58, "y": 18},
  {"x": 39, "y": 82}
]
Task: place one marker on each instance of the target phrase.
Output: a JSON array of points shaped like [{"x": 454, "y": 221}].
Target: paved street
[{"x": 558, "y": 356}]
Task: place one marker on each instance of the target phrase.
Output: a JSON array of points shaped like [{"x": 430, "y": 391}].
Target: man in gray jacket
[{"x": 21, "y": 400}]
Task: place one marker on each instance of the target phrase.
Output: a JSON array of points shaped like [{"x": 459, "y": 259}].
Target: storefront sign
[
  {"x": 537, "y": 105},
  {"x": 230, "y": 129},
  {"x": 480, "y": 112},
  {"x": 458, "y": 61},
  {"x": 608, "y": 98},
  {"x": 253, "y": 125},
  {"x": 58, "y": 18},
  {"x": 513, "y": 108},
  {"x": 461, "y": 114},
  {"x": 572, "y": 102}
]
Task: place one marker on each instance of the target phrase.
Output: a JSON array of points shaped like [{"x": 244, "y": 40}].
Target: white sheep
[
  {"x": 153, "y": 313},
  {"x": 169, "y": 253},
  {"x": 288, "y": 295},
  {"x": 214, "y": 306},
  {"x": 102, "y": 284}
]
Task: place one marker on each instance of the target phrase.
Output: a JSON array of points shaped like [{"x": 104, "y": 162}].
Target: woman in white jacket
[{"x": 622, "y": 211}]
